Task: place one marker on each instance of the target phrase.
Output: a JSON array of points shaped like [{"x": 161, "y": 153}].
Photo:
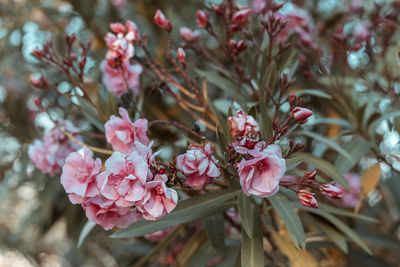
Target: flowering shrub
[{"x": 261, "y": 123}]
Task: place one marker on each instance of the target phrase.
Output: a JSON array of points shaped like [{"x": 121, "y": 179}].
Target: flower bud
[
  {"x": 188, "y": 35},
  {"x": 232, "y": 43},
  {"x": 82, "y": 63},
  {"x": 202, "y": 19},
  {"x": 217, "y": 9},
  {"x": 234, "y": 27},
  {"x": 241, "y": 16},
  {"x": 38, "y": 103},
  {"x": 292, "y": 98},
  {"x": 330, "y": 190},
  {"x": 307, "y": 199},
  {"x": 37, "y": 53},
  {"x": 241, "y": 46},
  {"x": 310, "y": 175},
  {"x": 162, "y": 21},
  {"x": 181, "y": 55},
  {"x": 301, "y": 114},
  {"x": 37, "y": 83}
]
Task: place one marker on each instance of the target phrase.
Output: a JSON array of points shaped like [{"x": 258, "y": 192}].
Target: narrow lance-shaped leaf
[
  {"x": 244, "y": 203},
  {"x": 290, "y": 218},
  {"x": 337, "y": 237},
  {"x": 87, "y": 228},
  {"x": 215, "y": 230},
  {"x": 252, "y": 247}
]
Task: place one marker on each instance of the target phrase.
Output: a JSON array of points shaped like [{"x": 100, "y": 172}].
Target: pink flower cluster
[
  {"x": 129, "y": 188},
  {"x": 49, "y": 155},
  {"x": 198, "y": 165},
  {"x": 261, "y": 167},
  {"x": 119, "y": 74}
]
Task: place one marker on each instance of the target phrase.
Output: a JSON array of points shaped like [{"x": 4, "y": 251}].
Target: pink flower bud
[
  {"x": 234, "y": 27},
  {"x": 307, "y": 199},
  {"x": 241, "y": 46},
  {"x": 310, "y": 175},
  {"x": 241, "y": 16},
  {"x": 217, "y": 9},
  {"x": 232, "y": 43},
  {"x": 37, "y": 83},
  {"x": 162, "y": 21},
  {"x": 301, "y": 114},
  {"x": 117, "y": 27},
  {"x": 330, "y": 190},
  {"x": 292, "y": 98},
  {"x": 202, "y": 19},
  {"x": 38, "y": 103},
  {"x": 82, "y": 63},
  {"x": 188, "y": 35},
  {"x": 181, "y": 55},
  {"x": 37, "y": 53}
]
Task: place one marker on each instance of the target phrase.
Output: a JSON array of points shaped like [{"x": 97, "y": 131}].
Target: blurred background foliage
[{"x": 38, "y": 225}]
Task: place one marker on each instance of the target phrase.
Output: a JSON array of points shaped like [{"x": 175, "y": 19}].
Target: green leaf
[
  {"x": 252, "y": 248},
  {"x": 325, "y": 167},
  {"x": 215, "y": 230},
  {"x": 313, "y": 92},
  {"x": 290, "y": 218},
  {"x": 337, "y": 237},
  {"x": 244, "y": 203},
  {"x": 265, "y": 121},
  {"x": 187, "y": 210},
  {"x": 338, "y": 223},
  {"x": 268, "y": 80},
  {"x": 222, "y": 120},
  {"x": 326, "y": 141},
  {"x": 87, "y": 228},
  {"x": 336, "y": 121},
  {"x": 342, "y": 212},
  {"x": 293, "y": 161}
]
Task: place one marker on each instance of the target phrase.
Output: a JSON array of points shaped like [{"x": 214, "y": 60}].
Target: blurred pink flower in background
[
  {"x": 49, "y": 155},
  {"x": 242, "y": 124},
  {"x": 260, "y": 175},
  {"x": 122, "y": 79},
  {"x": 122, "y": 134},
  {"x": 198, "y": 165},
  {"x": 188, "y": 35},
  {"x": 159, "y": 235},
  {"x": 350, "y": 199}
]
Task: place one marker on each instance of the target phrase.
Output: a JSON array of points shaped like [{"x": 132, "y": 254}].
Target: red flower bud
[
  {"x": 162, "y": 21},
  {"x": 202, "y": 19},
  {"x": 241, "y": 46},
  {"x": 241, "y": 16},
  {"x": 307, "y": 199},
  {"x": 82, "y": 63},
  {"x": 37, "y": 53},
  {"x": 161, "y": 171},
  {"x": 310, "y": 175},
  {"x": 37, "y": 83},
  {"x": 330, "y": 190},
  {"x": 292, "y": 98},
  {"x": 234, "y": 27},
  {"x": 181, "y": 55},
  {"x": 188, "y": 35},
  {"x": 38, "y": 103},
  {"x": 232, "y": 43},
  {"x": 301, "y": 114},
  {"x": 217, "y": 9}
]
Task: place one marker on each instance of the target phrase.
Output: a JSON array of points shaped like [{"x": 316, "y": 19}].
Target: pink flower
[
  {"x": 307, "y": 199},
  {"x": 330, "y": 190},
  {"x": 250, "y": 142},
  {"x": 119, "y": 3},
  {"x": 188, "y": 35},
  {"x": 198, "y": 165},
  {"x": 242, "y": 124},
  {"x": 260, "y": 174},
  {"x": 79, "y": 175},
  {"x": 159, "y": 235},
  {"x": 120, "y": 48},
  {"x": 361, "y": 31},
  {"x": 202, "y": 19},
  {"x": 49, "y": 155},
  {"x": 301, "y": 114},
  {"x": 125, "y": 177},
  {"x": 117, "y": 83},
  {"x": 350, "y": 199},
  {"x": 122, "y": 134},
  {"x": 241, "y": 16},
  {"x": 108, "y": 215},
  {"x": 162, "y": 21},
  {"x": 159, "y": 200}
]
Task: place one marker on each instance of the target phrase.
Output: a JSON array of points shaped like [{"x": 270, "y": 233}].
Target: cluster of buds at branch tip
[
  {"x": 162, "y": 21},
  {"x": 202, "y": 19},
  {"x": 237, "y": 47},
  {"x": 307, "y": 199},
  {"x": 330, "y": 190},
  {"x": 293, "y": 148},
  {"x": 273, "y": 25},
  {"x": 301, "y": 114},
  {"x": 181, "y": 55},
  {"x": 309, "y": 177}
]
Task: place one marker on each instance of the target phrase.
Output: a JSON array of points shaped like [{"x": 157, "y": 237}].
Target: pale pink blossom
[
  {"x": 301, "y": 115},
  {"x": 350, "y": 199},
  {"x": 108, "y": 215},
  {"x": 247, "y": 143},
  {"x": 188, "y": 35},
  {"x": 361, "y": 31},
  {"x": 124, "y": 179},
  {"x": 198, "y": 165},
  {"x": 122, "y": 134},
  {"x": 181, "y": 55},
  {"x": 79, "y": 175},
  {"x": 122, "y": 79},
  {"x": 330, "y": 190},
  {"x": 159, "y": 200},
  {"x": 307, "y": 199},
  {"x": 242, "y": 124},
  {"x": 49, "y": 155},
  {"x": 119, "y": 3},
  {"x": 121, "y": 45},
  {"x": 260, "y": 174},
  {"x": 202, "y": 19}
]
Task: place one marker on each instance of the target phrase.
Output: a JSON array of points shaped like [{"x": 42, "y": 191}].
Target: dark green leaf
[
  {"x": 215, "y": 230},
  {"x": 290, "y": 218},
  {"x": 337, "y": 237},
  {"x": 252, "y": 248},
  {"x": 244, "y": 203}
]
